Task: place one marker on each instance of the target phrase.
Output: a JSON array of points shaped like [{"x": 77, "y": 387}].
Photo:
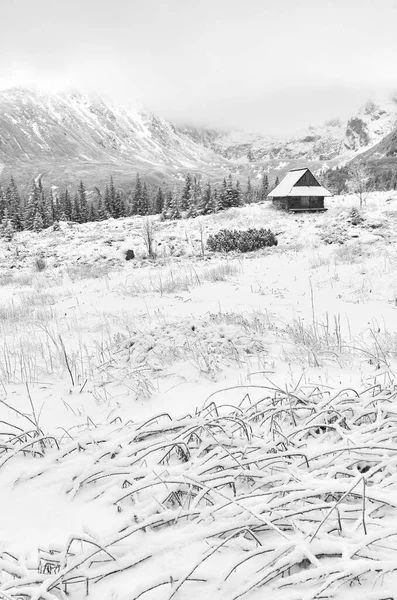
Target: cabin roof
[{"x": 286, "y": 186}]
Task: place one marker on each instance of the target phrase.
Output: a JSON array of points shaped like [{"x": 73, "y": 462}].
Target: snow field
[{"x": 282, "y": 482}]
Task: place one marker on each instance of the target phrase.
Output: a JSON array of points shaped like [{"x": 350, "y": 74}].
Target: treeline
[
  {"x": 42, "y": 208},
  {"x": 336, "y": 180}
]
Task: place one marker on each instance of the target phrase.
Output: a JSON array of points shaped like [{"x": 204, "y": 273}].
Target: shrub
[
  {"x": 227, "y": 240},
  {"x": 40, "y": 264},
  {"x": 355, "y": 216}
]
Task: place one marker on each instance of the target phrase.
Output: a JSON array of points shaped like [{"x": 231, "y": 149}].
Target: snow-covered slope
[
  {"x": 372, "y": 123},
  {"x": 335, "y": 140},
  {"x": 73, "y": 135}
]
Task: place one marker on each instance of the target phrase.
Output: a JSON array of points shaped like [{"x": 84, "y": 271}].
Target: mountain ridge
[{"x": 67, "y": 136}]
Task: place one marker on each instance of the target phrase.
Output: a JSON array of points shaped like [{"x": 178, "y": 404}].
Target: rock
[{"x": 129, "y": 255}]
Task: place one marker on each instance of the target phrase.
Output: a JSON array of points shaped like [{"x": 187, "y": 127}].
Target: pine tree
[
  {"x": 166, "y": 205},
  {"x": 159, "y": 202},
  {"x": 248, "y": 192},
  {"x": 137, "y": 197},
  {"x": 51, "y": 209},
  {"x": 217, "y": 200},
  {"x": 276, "y": 182},
  {"x": 100, "y": 208},
  {"x": 92, "y": 214},
  {"x": 229, "y": 199},
  {"x": 207, "y": 200},
  {"x": 67, "y": 206},
  {"x": 83, "y": 203},
  {"x": 6, "y": 230},
  {"x": 37, "y": 222},
  {"x": 145, "y": 208},
  {"x": 222, "y": 196},
  {"x": 3, "y": 205},
  {"x": 43, "y": 206},
  {"x": 120, "y": 206},
  {"x": 174, "y": 211},
  {"x": 237, "y": 195},
  {"x": 14, "y": 205},
  {"x": 264, "y": 186},
  {"x": 34, "y": 207},
  {"x": 186, "y": 193},
  {"x": 194, "y": 199},
  {"x": 111, "y": 201},
  {"x": 76, "y": 216}
]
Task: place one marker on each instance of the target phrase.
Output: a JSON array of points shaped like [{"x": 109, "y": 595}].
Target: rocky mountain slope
[
  {"x": 333, "y": 141},
  {"x": 71, "y": 136}
]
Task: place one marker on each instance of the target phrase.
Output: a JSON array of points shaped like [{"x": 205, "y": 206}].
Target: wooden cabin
[{"x": 299, "y": 191}]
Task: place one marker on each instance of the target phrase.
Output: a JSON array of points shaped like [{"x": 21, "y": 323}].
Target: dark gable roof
[{"x": 287, "y": 187}]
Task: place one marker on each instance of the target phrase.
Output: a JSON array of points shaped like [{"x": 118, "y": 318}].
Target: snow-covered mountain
[
  {"x": 68, "y": 136},
  {"x": 72, "y": 136},
  {"x": 336, "y": 140}
]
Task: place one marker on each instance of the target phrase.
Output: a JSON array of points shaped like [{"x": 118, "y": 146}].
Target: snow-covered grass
[{"x": 200, "y": 426}]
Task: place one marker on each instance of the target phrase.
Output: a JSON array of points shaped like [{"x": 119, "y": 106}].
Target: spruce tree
[
  {"x": 249, "y": 192},
  {"x": 83, "y": 203},
  {"x": 6, "y": 229},
  {"x": 237, "y": 195},
  {"x": 37, "y": 222},
  {"x": 137, "y": 197},
  {"x": 3, "y": 205},
  {"x": 111, "y": 201},
  {"x": 174, "y": 211},
  {"x": 76, "y": 216},
  {"x": 51, "y": 209},
  {"x": 92, "y": 214},
  {"x": 34, "y": 207},
  {"x": 107, "y": 203},
  {"x": 264, "y": 186},
  {"x": 186, "y": 193},
  {"x": 207, "y": 200},
  {"x": 100, "y": 207},
  {"x": 67, "y": 205},
  {"x": 119, "y": 205},
  {"x": 222, "y": 196},
  {"x": 14, "y": 205},
  {"x": 145, "y": 208},
  {"x": 159, "y": 202},
  {"x": 165, "y": 213},
  {"x": 43, "y": 206},
  {"x": 229, "y": 202}
]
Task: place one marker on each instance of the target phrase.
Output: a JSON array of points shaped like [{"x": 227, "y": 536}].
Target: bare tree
[
  {"x": 202, "y": 241},
  {"x": 148, "y": 234},
  {"x": 358, "y": 182}
]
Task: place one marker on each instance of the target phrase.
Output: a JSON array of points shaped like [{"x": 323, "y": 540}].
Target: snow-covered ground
[{"x": 271, "y": 468}]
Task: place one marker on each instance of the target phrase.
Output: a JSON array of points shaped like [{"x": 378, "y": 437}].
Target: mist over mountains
[{"x": 71, "y": 136}]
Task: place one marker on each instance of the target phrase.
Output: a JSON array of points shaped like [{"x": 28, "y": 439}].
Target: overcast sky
[{"x": 261, "y": 65}]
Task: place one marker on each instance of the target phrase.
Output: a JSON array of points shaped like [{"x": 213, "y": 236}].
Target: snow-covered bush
[
  {"x": 355, "y": 217},
  {"x": 227, "y": 240}
]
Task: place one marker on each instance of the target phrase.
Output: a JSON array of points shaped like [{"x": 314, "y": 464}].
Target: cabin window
[{"x": 305, "y": 200}]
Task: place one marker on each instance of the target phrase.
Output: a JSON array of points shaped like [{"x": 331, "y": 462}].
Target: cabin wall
[
  {"x": 281, "y": 203},
  {"x": 307, "y": 179},
  {"x": 305, "y": 202}
]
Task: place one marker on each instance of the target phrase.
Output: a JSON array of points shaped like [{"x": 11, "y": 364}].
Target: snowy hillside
[
  {"x": 238, "y": 409},
  {"x": 70, "y": 136},
  {"x": 336, "y": 140}
]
